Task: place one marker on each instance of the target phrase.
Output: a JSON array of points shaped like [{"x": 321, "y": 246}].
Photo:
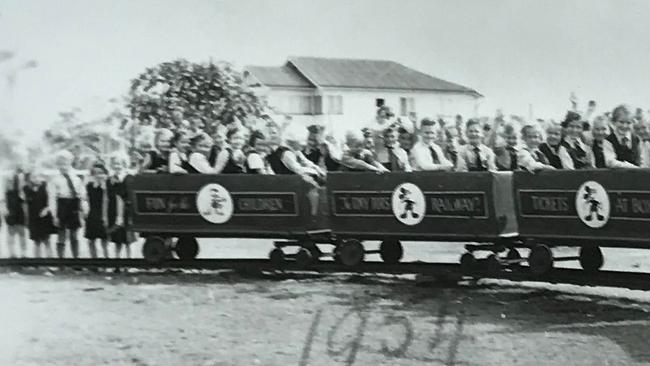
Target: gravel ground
[{"x": 225, "y": 318}]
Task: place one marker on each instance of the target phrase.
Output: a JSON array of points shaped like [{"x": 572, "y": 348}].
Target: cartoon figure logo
[
  {"x": 408, "y": 204},
  {"x": 592, "y": 204},
  {"x": 214, "y": 203}
]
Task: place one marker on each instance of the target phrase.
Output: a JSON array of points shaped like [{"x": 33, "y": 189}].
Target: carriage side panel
[
  {"x": 603, "y": 207},
  {"x": 415, "y": 206},
  {"x": 221, "y": 205}
]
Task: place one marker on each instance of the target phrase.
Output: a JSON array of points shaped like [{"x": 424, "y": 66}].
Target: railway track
[{"x": 619, "y": 279}]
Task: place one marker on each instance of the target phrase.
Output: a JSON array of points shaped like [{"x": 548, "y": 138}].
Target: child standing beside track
[
  {"x": 96, "y": 218},
  {"x": 15, "y": 214},
  {"x": 66, "y": 193},
  {"x": 475, "y": 156},
  {"x": 116, "y": 210},
  {"x": 40, "y": 219}
]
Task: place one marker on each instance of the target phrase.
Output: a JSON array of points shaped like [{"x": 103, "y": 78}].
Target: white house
[{"x": 339, "y": 93}]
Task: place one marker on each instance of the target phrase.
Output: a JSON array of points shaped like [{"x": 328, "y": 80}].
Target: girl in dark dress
[
  {"x": 255, "y": 156},
  {"x": 232, "y": 159},
  {"x": 217, "y": 147},
  {"x": 178, "y": 156},
  {"x": 117, "y": 210},
  {"x": 157, "y": 161},
  {"x": 15, "y": 218},
  {"x": 96, "y": 220},
  {"x": 572, "y": 142},
  {"x": 40, "y": 219}
]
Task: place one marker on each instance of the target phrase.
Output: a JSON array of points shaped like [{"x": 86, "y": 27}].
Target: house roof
[
  {"x": 352, "y": 73},
  {"x": 285, "y": 75}
]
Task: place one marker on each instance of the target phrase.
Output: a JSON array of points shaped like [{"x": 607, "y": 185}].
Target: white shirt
[
  {"x": 377, "y": 130},
  {"x": 565, "y": 157},
  {"x": 57, "y": 187},
  {"x": 620, "y": 137},
  {"x": 609, "y": 155},
  {"x": 643, "y": 148},
  {"x": 175, "y": 161},
  {"x": 467, "y": 158},
  {"x": 199, "y": 162},
  {"x": 645, "y": 154},
  {"x": 401, "y": 156},
  {"x": 3, "y": 208},
  {"x": 421, "y": 158},
  {"x": 526, "y": 159},
  {"x": 255, "y": 161}
]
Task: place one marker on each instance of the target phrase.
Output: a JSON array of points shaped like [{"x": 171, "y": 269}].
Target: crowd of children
[
  {"x": 613, "y": 140},
  {"x": 61, "y": 204}
]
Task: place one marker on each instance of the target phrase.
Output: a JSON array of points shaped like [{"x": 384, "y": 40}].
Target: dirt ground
[{"x": 224, "y": 318}]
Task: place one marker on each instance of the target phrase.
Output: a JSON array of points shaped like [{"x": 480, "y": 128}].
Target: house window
[
  {"x": 317, "y": 105},
  {"x": 301, "y": 105},
  {"x": 334, "y": 104},
  {"x": 406, "y": 106}
]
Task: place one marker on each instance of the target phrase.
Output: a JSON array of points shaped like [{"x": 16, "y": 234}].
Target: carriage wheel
[
  {"x": 540, "y": 260},
  {"x": 187, "y": 248},
  {"x": 391, "y": 251},
  {"x": 351, "y": 252},
  {"x": 304, "y": 257},
  {"x": 591, "y": 258},
  {"x": 276, "y": 256},
  {"x": 336, "y": 257},
  {"x": 513, "y": 254},
  {"x": 492, "y": 264},
  {"x": 155, "y": 249},
  {"x": 467, "y": 263},
  {"x": 313, "y": 250}
]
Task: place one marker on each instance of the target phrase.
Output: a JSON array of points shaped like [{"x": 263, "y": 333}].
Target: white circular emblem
[
  {"x": 214, "y": 203},
  {"x": 408, "y": 204},
  {"x": 592, "y": 204}
]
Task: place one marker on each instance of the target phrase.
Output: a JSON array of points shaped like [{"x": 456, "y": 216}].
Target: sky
[{"x": 515, "y": 52}]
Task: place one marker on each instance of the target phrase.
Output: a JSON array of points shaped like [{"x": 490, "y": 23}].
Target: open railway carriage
[
  {"x": 184, "y": 207},
  {"x": 584, "y": 208},
  {"x": 420, "y": 206}
]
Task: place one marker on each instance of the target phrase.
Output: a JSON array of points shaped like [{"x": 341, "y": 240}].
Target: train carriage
[
  {"x": 421, "y": 206},
  {"x": 187, "y": 207},
  {"x": 584, "y": 208}
]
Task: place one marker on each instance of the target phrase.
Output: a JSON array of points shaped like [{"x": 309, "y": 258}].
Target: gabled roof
[
  {"x": 283, "y": 76},
  {"x": 352, "y": 73}
]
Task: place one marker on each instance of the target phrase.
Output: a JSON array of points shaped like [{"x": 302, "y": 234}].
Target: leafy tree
[
  {"x": 87, "y": 140},
  {"x": 166, "y": 94}
]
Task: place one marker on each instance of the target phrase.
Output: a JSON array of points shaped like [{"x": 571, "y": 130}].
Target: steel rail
[{"x": 619, "y": 279}]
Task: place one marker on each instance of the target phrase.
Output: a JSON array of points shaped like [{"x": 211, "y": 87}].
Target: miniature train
[{"x": 495, "y": 212}]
